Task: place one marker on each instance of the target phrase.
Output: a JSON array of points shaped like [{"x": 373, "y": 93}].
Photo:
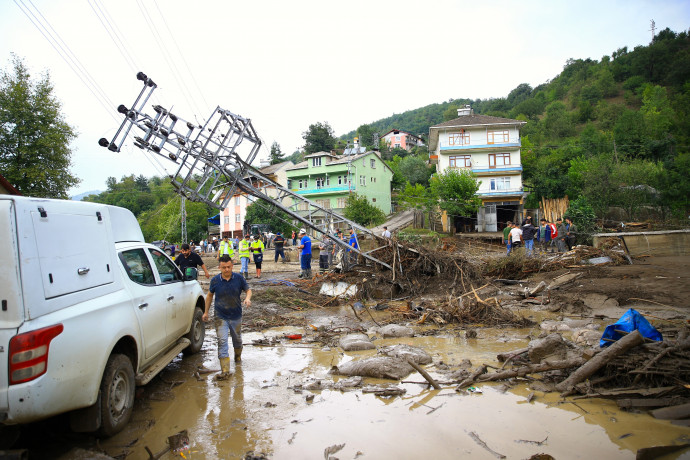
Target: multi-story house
[
  {"x": 232, "y": 217},
  {"x": 490, "y": 147},
  {"x": 402, "y": 139},
  {"x": 328, "y": 180}
]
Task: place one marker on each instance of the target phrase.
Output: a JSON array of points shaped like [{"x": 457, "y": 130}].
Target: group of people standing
[{"x": 550, "y": 237}]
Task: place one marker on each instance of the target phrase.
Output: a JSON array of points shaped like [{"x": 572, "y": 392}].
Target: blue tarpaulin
[
  {"x": 630, "y": 321},
  {"x": 215, "y": 220}
]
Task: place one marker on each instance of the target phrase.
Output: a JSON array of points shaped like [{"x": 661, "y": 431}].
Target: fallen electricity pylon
[{"x": 214, "y": 162}]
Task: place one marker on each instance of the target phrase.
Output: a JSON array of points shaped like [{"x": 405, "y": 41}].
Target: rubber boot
[
  {"x": 308, "y": 276},
  {"x": 224, "y": 369},
  {"x": 238, "y": 354},
  {"x": 301, "y": 274}
]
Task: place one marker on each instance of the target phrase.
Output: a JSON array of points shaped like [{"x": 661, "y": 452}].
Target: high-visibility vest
[
  {"x": 225, "y": 248},
  {"x": 257, "y": 247},
  {"x": 244, "y": 248}
]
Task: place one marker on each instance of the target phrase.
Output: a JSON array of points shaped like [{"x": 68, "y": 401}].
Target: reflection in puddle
[{"x": 256, "y": 411}]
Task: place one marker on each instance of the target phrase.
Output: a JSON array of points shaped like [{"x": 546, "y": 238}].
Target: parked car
[
  {"x": 88, "y": 312},
  {"x": 167, "y": 247}
]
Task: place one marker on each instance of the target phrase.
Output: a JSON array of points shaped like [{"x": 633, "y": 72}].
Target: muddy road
[{"x": 272, "y": 406}]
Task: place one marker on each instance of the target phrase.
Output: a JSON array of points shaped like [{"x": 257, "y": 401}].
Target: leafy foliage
[
  {"x": 35, "y": 156},
  {"x": 584, "y": 218},
  {"x": 318, "y": 138},
  {"x": 276, "y": 155},
  {"x": 358, "y": 209},
  {"x": 455, "y": 190},
  {"x": 261, "y": 212}
]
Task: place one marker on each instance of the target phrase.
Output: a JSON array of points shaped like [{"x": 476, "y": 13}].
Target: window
[
  {"x": 362, "y": 180},
  {"x": 461, "y": 138},
  {"x": 397, "y": 146},
  {"x": 319, "y": 182},
  {"x": 237, "y": 200},
  {"x": 316, "y": 161},
  {"x": 373, "y": 163},
  {"x": 372, "y": 180},
  {"x": 341, "y": 202},
  {"x": 304, "y": 206},
  {"x": 500, "y": 183},
  {"x": 137, "y": 266},
  {"x": 341, "y": 180},
  {"x": 397, "y": 138},
  {"x": 460, "y": 161},
  {"x": 226, "y": 219},
  {"x": 328, "y": 180},
  {"x": 373, "y": 200},
  {"x": 497, "y": 137},
  {"x": 326, "y": 204},
  {"x": 167, "y": 270},
  {"x": 238, "y": 218},
  {"x": 304, "y": 183},
  {"x": 496, "y": 160},
  {"x": 364, "y": 163},
  {"x": 289, "y": 183}
]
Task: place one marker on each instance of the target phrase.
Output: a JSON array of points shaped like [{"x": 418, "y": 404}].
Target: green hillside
[{"x": 614, "y": 131}]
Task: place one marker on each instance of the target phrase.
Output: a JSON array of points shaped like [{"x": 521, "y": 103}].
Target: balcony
[
  {"x": 517, "y": 191},
  {"x": 324, "y": 189},
  {"x": 486, "y": 170},
  {"x": 515, "y": 142}
]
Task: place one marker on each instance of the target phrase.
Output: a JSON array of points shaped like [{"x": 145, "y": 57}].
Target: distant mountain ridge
[{"x": 81, "y": 196}]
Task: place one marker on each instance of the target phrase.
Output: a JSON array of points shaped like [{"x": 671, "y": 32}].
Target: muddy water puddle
[{"x": 258, "y": 410}]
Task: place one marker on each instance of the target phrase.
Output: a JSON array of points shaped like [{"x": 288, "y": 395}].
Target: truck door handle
[
  {"x": 143, "y": 305},
  {"x": 83, "y": 270},
  {"x": 170, "y": 297}
]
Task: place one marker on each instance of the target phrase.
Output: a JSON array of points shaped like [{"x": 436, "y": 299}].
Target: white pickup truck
[{"x": 88, "y": 310}]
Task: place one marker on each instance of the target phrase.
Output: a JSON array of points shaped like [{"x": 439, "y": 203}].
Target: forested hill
[{"x": 623, "y": 120}]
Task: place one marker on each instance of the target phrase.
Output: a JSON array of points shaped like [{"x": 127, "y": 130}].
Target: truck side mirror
[{"x": 190, "y": 274}]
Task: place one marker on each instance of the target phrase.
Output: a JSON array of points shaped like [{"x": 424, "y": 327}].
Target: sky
[{"x": 289, "y": 64}]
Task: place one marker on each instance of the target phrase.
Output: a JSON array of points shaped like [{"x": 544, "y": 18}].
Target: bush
[{"x": 582, "y": 215}]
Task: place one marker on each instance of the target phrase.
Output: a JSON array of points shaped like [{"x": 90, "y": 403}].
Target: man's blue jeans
[
  {"x": 529, "y": 246},
  {"x": 224, "y": 328},
  {"x": 508, "y": 247},
  {"x": 245, "y": 264},
  {"x": 305, "y": 261}
]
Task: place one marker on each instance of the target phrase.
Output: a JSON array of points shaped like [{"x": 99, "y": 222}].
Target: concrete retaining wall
[{"x": 665, "y": 243}]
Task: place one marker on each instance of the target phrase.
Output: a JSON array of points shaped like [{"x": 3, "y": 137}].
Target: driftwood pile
[
  {"x": 467, "y": 309},
  {"x": 518, "y": 265},
  {"x": 637, "y": 372}
]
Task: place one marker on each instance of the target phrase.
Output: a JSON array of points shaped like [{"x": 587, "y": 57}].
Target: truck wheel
[
  {"x": 196, "y": 334},
  {"x": 117, "y": 394}
]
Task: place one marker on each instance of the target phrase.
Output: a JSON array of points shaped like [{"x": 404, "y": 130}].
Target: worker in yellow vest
[
  {"x": 244, "y": 248},
  {"x": 257, "y": 248},
  {"x": 225, "y": 248}
]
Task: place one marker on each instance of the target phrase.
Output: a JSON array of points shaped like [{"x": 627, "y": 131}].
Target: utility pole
[
  {"x": 653, "y": 28},
  {"x": 183, "y": 219}
]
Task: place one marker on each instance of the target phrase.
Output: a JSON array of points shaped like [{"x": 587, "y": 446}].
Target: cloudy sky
[{"x": 288, "y": 64}]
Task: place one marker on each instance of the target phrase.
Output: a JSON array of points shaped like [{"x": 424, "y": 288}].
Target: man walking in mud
[{"x": 227, "y": 288}]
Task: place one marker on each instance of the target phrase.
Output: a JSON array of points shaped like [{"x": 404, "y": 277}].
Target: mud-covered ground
[{"x": 263, "y": 407}]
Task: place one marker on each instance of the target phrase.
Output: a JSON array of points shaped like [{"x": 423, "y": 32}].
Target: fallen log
[
  {"x": 615, "y": 394},
  {"x": 424, "y": 373},
  {"x": 473, "y": 376},
  {"x": 672, "y": 413},
  {"x": 598, "y": 361},
  {"x": 531, "y": 369},
  {"x": 501, "y": 357}
]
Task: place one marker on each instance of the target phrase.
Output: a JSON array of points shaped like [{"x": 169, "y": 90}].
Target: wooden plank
[{"x": 672, "y": 413}]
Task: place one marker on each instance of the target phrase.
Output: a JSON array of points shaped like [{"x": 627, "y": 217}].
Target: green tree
[
  {"x": 263, "y": 212},
  {"x": 35, "y": 155},
  {"x": 416, "y": 197},
  {"x": 366, "y": 136},
  {"x": 415, "y": 170},
  {"x": 358, "y": 209},
  {"x": 318, "y": 138},
  {"x": 276, "y": 154},
  {"x": 455, "y": 191},
  {"x": 582, "y": 215},
  {"x": 636, "y": 182}
]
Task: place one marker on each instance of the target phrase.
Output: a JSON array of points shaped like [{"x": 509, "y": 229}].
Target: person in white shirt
[
  {"x": 386, "y": 233},
  {"x": 516, "y": 237}
]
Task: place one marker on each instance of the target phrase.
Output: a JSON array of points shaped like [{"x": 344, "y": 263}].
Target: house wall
[{"x": 374, "y": 183}]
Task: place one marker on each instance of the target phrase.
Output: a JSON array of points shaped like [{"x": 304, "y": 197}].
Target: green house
[{"x": 328, "y": 179}]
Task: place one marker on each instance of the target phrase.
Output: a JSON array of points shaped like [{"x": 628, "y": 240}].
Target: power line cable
[
  {"x": 113, "y": 36},
  {"x": 166, "y": 55},
  {"x": 85, "y": 78},
  {"x": 179, "y": 51}
]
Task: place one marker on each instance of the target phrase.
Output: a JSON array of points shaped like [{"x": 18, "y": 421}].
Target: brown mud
[{"x": 264, "y": 407}]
